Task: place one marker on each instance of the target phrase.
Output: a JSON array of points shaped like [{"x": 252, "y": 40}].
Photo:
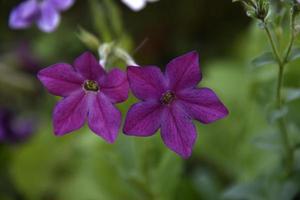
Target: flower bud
[{"x": 258, "y": 9}]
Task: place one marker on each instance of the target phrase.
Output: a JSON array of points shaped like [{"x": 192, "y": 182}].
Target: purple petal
[
  {"x": 143, "y": 119},
  {"x": 62, "y": 4},
  {"x": 202, "y": 104},
  {"x": 184, "y": 71},
  {"x": 49, "y": 18},
  {"x": 115, "y": 86},
  {"x": 24, "y": 15},
  {"x": 146, "y": 82},
  {"x": 70, "y": 113},
  {"x": 104, "y": 119},
  {"x": 60, "y": 79},
  {"x": 87, "y": 65},
  {"x": 178, "y": 131}
]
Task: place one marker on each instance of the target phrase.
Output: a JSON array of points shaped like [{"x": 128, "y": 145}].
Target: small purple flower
[
  {"x": 89, "y": 94},
  {"x": 14, "y": 129},
  {"x": 170, "y": 101},
  {"x": 44, "y": 12}
]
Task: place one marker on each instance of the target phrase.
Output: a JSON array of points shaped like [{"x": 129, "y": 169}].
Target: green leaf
[
  {"x": 277, "y": 114},
  {"x": 264, "y": 59},
  {"x": 115, "y": 19},
  {"x": 292, "y": 94},
  {"x": 295, "y": 54},
  {"x": 89, "y": 39},
  {"x": 100, "y": 20}
]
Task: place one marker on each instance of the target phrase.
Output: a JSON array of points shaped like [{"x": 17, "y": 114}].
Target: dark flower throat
[
  {"x": 91, "y": 86},
  {"x": 167, "y": 98}
]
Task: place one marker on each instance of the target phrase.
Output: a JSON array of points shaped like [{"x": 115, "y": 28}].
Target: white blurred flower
[
  {"x": 137, "y": 5},
  {"x": 107, "y": 49}
]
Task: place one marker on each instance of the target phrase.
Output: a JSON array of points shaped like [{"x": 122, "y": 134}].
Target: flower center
[
  {"x": 167, "y": 98},
  {"x": 90, "y": 85}
]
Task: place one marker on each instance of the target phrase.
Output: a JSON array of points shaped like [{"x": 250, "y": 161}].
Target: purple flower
[
  {"x": 14, "y": 129},
  {"x": 44, "y": 12},
  {"x": 89, "y": 94},
  {"x": 170, "y": 101}
]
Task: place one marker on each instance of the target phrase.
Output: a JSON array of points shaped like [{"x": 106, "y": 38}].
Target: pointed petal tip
[{"x": 184, "y": 71}]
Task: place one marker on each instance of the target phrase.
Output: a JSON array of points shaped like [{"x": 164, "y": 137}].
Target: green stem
[
  {"x": 289, "y": 154},
  {"x": 289, "y": 158},
  {"x": 292, "y": 35},
  {"x": 272, "y": 42}
]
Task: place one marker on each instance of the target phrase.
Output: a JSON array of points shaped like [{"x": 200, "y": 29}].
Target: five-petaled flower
[
  {"x": 89, "y": 93},
  {"x": 170, "y": 101},
  {"x": 44, "y": 12}
]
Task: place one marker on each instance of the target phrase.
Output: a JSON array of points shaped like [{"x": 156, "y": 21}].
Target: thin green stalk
[
  {"x": 292, "y": 35},
  {"x": 273, "y": 45},
  {"x": 289, "y": 157}
]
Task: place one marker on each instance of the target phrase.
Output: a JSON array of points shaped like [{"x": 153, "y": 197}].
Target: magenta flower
[
  {"x": 170, "y": 101},
  {"x": 89, "y": 94},
  {"x": 44, "y": 12}
]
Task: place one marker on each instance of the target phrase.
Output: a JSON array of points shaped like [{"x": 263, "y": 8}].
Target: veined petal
[
  {"x": 135, "y": 5},
  {"x": 62, "y": 4},
  {"x": 202, "y": 104},
  {"x": 115, "y": 86},
  {"x": 24, "y": 14},
  {"x": 60, "y": 79},
  {"x": 49, "y": 18},
  {"x": 146, "y": 82},
  {"x": 70, "y": 113},
  {"x": 87, "y": 65},
  {"x": 184, "y": 71},
  {"x": 178, "y": 131},
  {"x": 143, "y": 119},
  {"x": 104, "y": 118}
]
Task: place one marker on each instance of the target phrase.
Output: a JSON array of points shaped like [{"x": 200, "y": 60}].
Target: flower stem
[
  {"x": 289, "y": 153},
  {"x": 292, "y": 35}
]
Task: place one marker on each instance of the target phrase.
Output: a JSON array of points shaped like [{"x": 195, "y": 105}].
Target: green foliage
[{"x": 264, "y": 59}]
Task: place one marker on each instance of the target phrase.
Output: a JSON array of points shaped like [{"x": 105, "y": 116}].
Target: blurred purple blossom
[
  {"x": 170, "y": 101},
  {"x": 46, "y": 13},
  {"x": 89, "y": 95},
  {"x": 26, "y": 59},
  {"x": 14, "y": 129}
]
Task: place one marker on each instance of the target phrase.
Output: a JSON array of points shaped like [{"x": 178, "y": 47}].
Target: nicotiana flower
[
  {"x": 14, "y": 129},
  {"x": 89, "y": 94},
  {"x": 137, "y": 5},
  {"x": 44, "y": 12},
  {"x": 170, "y": 101}
]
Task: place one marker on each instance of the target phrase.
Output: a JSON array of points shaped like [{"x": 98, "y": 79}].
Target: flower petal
[
  {"x": 202, "y": 104},
  {"x": 62, "y": 4},
  {"x": 24, "y": 14},
  {"x": 178, "y": 131},
  {"x": 70, "y": 113},
  {"x": 115, "y": 86},
  {"x": 49, "y": 18},
  {"x": 146, "y": 82},
  {"x": 184, "y": 71},
  {"x": 60, "y": 79},
  {"x": 143, "y": 119},
  {"x": 135, "y": 5},
  {"x": 87, "y": 65},
  {"x": 104, "y": 119}
]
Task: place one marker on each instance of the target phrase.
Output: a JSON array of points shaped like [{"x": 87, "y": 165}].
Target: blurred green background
[{"x": 236, "y": 158}]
